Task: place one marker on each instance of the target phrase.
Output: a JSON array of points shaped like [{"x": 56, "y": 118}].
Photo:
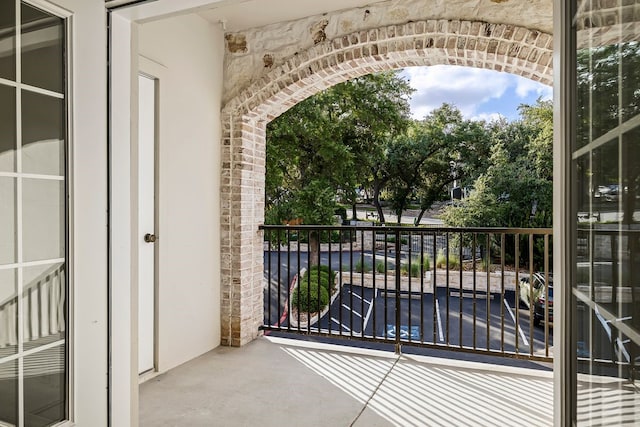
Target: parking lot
[{"x": 454, "y": 320}]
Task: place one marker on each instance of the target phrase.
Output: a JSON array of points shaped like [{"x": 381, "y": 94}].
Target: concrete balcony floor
[{"x": 275, "y": 381}]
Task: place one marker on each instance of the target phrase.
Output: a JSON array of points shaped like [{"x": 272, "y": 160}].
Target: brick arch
[{"x": 499, "y": 47}]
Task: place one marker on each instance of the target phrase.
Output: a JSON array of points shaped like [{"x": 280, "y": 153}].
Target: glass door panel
[{"x": 33, "y": 217}]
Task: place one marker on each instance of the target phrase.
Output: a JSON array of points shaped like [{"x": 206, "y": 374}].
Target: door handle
[{"x": 150, "y": 238}]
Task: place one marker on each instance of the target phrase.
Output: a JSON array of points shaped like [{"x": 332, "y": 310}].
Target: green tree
[
  {"x": 324, "y": 148},
  {"x": 516, "y": 188},
  {"x": 434, "y": 152}
]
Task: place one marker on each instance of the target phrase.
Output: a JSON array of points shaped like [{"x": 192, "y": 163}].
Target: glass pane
[
  {"x": 629, "y": 301},
  {"x": 583, "y": 109},
  {"x": 9, "y": 393},
  {"x": 605, "y": 78},
  {"x": 43, "y": 304},
  {"x": 7, "y": 220},
  {"x": 630, "y": 71},
  {"x": 43, "y": 131},
  {"x": 8, "y": 40},
  {"x": 42, "y": 49},
  {"x": 607, "y": 286},
  {"x": 7, "y": 128},
  {"x": 43, "y": 215},
  {"x": 8, "y": 315},
  {"x": 606, "y": 181},
  {"x": 45, "y": 387}
]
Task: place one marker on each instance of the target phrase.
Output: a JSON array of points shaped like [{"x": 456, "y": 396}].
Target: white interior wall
[{"x": 190, "y": 50}]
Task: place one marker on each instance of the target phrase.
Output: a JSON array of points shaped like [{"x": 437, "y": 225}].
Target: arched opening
[{"x": 507, "y": 48}]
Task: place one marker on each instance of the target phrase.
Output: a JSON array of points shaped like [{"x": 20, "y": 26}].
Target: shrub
[
  {"x": 441, "y": 261},
  {"x": 380, "y": 267},
  {"x": 305, "y": 297},
  {"x": 316, "y": 277},
  {"x": 415, "y": 267},
  {"x": 426, "y": 263},
  {"x": 323, "y": 268},
  {"x": 363, "y": 267}
]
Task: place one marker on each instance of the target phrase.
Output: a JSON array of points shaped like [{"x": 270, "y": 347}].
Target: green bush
[
  {"x": 325, "y": 272},
  {"x": 426, "y": 263},
  {"x": 380, "y": 267},
  {"x": 441, "y": 261},
  {"x": 323, "y": 268},
  {"x": 316, "y": 277},
  {"x": 305, "y": 297},
  {"x": 415, "y": 267},
  {"x": 363, "y": 267}
]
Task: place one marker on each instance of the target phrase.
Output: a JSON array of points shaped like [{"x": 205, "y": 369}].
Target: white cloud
[
  {"x": 524, "y": 87},
  {"x": 477, "y": 93},
  {"x": 488, "y": 117}
]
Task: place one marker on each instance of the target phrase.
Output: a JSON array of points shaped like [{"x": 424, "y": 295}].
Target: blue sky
[{"x": 478, "y": 93}]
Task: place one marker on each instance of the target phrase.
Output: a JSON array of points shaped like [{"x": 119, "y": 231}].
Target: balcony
[
  {"x": 460, "y": 339},
  {"x": 275, "y": 381}
]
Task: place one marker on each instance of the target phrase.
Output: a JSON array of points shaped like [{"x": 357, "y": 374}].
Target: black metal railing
[{"x": 481, "y": 290}]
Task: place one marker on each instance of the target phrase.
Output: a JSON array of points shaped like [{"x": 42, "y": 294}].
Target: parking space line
[
  {"x": 341, "y": 324},
  {"x": 356, "y": 295},
  {"x": 440, "y": 334},
  {"x": 366, "y": 318},
  {"x": 352, "y": 310},
  {"x": 525, "y": 342}
]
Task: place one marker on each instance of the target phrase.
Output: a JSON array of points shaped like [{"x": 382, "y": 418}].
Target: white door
[{"x": 146, "y": 223}]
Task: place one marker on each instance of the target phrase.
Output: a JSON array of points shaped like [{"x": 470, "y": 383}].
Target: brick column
[{"x": 243, "y": 176}]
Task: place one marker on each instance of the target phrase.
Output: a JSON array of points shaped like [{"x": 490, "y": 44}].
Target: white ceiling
[{"x": 242, "y": 14}]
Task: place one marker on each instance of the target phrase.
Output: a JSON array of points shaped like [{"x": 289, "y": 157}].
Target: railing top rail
[{"x": 394, "y": 228}]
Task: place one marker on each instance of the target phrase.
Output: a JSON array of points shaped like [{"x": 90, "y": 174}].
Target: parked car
[
  {"x": 613, "y": 194},
  {"x": 537, "y": 296},
  {"x": 539, "y": 307}
]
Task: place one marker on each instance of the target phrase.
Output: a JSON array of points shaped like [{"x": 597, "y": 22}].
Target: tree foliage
[
  {"x": 327, "y": 145},
  {"x": 516, "y": 188}
]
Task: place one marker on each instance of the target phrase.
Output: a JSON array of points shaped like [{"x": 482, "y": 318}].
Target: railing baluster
[
  {"x": 422, "y": 272},
  {"x": 278, "y": 235},
  {"x": 319, "y": 248},
  {"x": 517, "y": 298},
  {"x": 473, "y": 249},
  {"x": 502, "y": 261},
  {"x": 269, "y": 275},
  {"x": 531, "y": 302},
  {"x": 460, "y": 297},
  {"x": 447, "y": 286},
  {"x": 435, "y": 291},
  {"x": 488, "y": 294},
  {"x": 351, "y": 231},
  {"x": 299, "y": 282},
  {"x": 386, "y": 284},
  {"x": 340, "y": 266},
  {"x": 289, "y": 278},
  {"x": 398, "y": 349},
  {"x": 546, "y": 296},
  {"x": 331, "y": 282},
  {"x": 409, "y": 270},
  {"x": 362, "y": 314},
  {"x": 375, "y": 285}
]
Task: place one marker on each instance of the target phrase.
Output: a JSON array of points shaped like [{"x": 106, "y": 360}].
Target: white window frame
[{"x": 67, "y": 178}]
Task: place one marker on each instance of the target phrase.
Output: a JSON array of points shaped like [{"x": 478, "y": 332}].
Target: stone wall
[{"x": 253, "y": 53}]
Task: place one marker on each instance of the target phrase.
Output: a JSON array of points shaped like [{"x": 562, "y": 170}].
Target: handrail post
[{"x": 398, "y": 346}]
